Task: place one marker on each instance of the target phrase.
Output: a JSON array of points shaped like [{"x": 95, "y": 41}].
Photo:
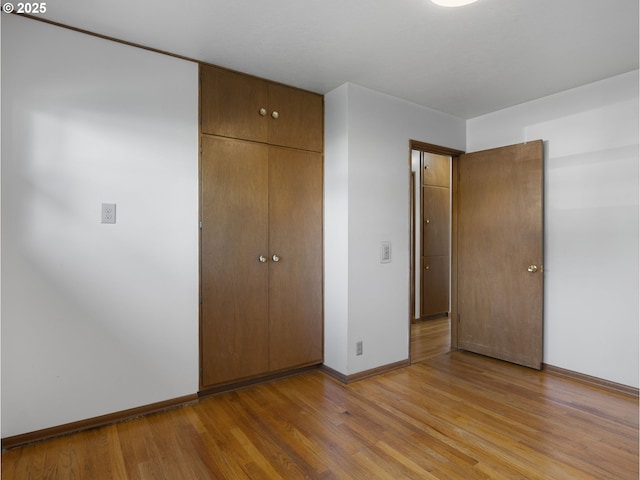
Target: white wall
[
  {"x": 367, "y": 185},
  {"x": 101, "y": 318},
  {"x": 336, "y": 229},
  {"x": 95, "y": 318},
  {"x": 591, "y": 220}
]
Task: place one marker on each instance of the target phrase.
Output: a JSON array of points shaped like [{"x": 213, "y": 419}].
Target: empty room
[{"x": 322, "y": 240}]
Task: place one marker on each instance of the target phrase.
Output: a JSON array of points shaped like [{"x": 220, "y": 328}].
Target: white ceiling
[{"x": 465, "y": 62}]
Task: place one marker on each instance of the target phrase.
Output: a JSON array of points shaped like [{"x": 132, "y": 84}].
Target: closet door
[
  {"x": 234, "y": 280},
  {"x": 436, "y": 226},
  {"x": 436, "y": 239},
  {"x": 234, "y": 104},
  {"x": 436, "y": 169},
  {"x": 295, "y": 275},
  {"x": 296, "y": 118},
  {"x": 241, "y": 106},
  {"x": 435, "y": 285}
]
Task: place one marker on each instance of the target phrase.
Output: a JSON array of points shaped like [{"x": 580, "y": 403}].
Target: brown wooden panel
[
  {"x": 230, "y": 104},
  {"x": 500, "y": 233},
  {"x": 436, "y": 169},
  {"x": 234, "y": 315},
  {"x": 436, "y": 223},
  {"x": 295, "y": 281},
  {"x": 300, "y": 122},
  {"x": 435, "y": 285}
]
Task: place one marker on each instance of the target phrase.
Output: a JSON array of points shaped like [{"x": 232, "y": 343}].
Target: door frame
[{"x": 454, "y": 154}]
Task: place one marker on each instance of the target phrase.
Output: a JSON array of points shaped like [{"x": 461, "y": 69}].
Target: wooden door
[
  {"x": 500, "y": 253},
  {"x": 436, "y": 169},
  {"x": 435, "y": 285},
  {"x": 435, "y": 249},
  {"x": 231, "y": 103},
  {"x": 436, "y": 224},
  {"x": 234, "y": 282},
  {"x": 299, "y": 122},
  {"x": 295, "y": 279},
  {"x": 436, "y": 228}
]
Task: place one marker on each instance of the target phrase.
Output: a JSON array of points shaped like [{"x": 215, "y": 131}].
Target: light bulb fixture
[{"x": 453, "y": 3}]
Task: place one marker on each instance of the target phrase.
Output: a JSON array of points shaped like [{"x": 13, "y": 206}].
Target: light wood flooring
[
  {"x": 430, "y": 338},
  {"x": 454, "y": 416}
]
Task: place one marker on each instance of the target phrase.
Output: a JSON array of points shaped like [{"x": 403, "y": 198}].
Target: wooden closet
[
  {"x": 261, "y": 233},
  {"x": 436, "y": 227}
]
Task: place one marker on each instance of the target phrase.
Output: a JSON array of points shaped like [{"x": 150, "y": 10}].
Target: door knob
[
  {"x": 275, "y": 258},
  {"x": 262, "y": 259},
  {"x": 532, "y": 268}
]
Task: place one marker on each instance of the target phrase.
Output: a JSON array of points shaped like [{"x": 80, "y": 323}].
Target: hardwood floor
[
  {"x": 430, "y": 338},
  {"x": 455, "y": 416}
]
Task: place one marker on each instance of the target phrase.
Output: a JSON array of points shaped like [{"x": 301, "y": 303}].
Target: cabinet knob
[
  {"x": 427, "y": 221},
  {"x": 427, "y": 267},
  {"x": 262, "y": 259},
  {"x": 275, "y": 114},
  {"x": 532, "y": 268},
  {"x": 263, "y": 112},
  {"x": 275, "y": 258}
]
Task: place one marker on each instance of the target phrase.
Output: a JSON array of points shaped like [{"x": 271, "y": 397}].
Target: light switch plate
[
  {"x": 108, "y": 213},
  {"x": 385, "y": 252}
]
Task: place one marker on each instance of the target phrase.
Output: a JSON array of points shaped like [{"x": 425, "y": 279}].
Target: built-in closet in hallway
[{"x": 432, "y": 241}]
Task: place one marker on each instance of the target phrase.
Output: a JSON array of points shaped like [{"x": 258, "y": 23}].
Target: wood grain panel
[
  {"x": 436, "y": 224},
  {"x": 230, "y": 104},
  {"x": 500, "y": 233},
  {"x": 300, "y": 122},
  {"x": 436, "y": 169},
  {"x": 435, "y": 285},
  {"x": 295, "y": 282},
  {"x": 234, "y": 323}
]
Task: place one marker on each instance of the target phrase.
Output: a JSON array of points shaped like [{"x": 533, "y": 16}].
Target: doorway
[
  {"x": 431, "y": 234},
  {"x": 496, "y": 253}
]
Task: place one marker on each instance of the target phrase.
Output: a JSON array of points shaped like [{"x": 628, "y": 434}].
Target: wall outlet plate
[{"x": 108, "y": 213}]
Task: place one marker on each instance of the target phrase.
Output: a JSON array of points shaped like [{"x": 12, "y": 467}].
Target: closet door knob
[
  {"x": 275, "y": 258},
  {"x": 275, "y": 114},
  {"x": 263, "y": 112},
  {"x": 262, "y": 259}
]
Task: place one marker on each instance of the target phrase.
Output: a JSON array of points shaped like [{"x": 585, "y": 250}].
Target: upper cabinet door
[
  {"x": 241, "y": 106},
  {"x": 436, "y": 169},
  {"x": 296, "y": 118},
  {"x": 233, "y": 104}
]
